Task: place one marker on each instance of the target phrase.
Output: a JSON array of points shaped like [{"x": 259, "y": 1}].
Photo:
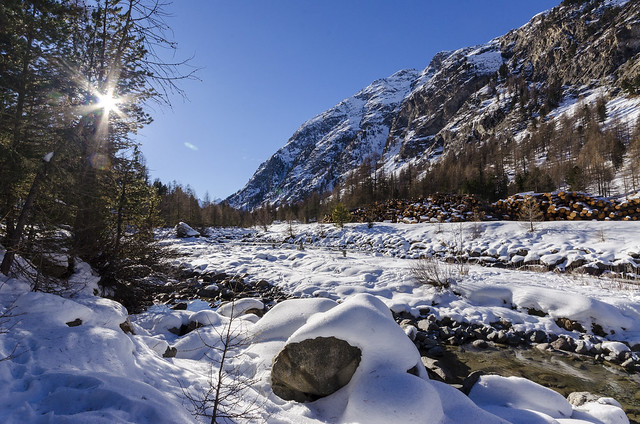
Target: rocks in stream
[
  {"x": 217, "y": 287},
  {"x": 431, "y": 336}
]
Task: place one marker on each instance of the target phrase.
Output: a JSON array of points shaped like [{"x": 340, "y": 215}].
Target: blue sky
[{"x": 269, "y": 65}]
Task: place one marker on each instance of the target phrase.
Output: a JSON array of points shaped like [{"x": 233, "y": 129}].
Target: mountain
[
  {"x": 576, "y": 53},
  {"x": 329, "y": 145}
]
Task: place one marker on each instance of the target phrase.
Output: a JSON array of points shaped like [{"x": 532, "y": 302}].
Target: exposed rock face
[
  {"x": 481, "y": 94},
  {"x": 313, "y": 368}
]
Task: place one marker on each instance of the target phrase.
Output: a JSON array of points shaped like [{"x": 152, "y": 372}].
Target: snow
[
  {"x": 94, "y": 372},
  {"x": 494, "y": 392}
]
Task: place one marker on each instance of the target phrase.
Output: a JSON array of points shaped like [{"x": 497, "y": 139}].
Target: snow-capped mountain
[
  {"x": 329, "y": 145},
  {"x": 476, "y": 94}
]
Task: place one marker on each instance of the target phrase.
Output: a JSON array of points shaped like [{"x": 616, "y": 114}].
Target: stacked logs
[
  {"x": 572, "y": 206},
  {"x": 435, "y": 208},
  {"x": 556, "y": 206}
]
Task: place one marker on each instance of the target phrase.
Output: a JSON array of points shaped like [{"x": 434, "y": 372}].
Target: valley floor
[{"x": 95, "y": 372}]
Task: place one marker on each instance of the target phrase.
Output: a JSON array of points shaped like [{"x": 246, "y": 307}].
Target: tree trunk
[{"x": 13, "y": 241}]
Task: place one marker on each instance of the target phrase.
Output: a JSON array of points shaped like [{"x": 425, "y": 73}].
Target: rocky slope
[{"x": 479, "y": 94}]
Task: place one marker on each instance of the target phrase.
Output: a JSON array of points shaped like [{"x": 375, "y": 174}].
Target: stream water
[{"x": 562, "y": 373}]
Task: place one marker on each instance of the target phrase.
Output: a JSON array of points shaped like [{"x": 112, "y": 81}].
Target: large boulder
[
  {"x": 313, "y": 368},
  {"x": 183, "y": 230}
]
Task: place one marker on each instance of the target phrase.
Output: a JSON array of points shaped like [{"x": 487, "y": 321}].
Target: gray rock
[
  {"x": 581, "y": 347},
  {"x": 436, "y": 369},
  {"x": 537, "y": 336},
  {"x": 427, "y": 325},
  {"x": 171, "y": 352},
  {"x": 470, "y": 381},
  {"x": 543, "y": 346},
  {"x": 561, "y": 344},
  {"x": 580, "y": 398},
  {"x": 436, "y": 351},
  {"x": 480, "y": 344},
  {"x": 629, "y": 364},
  {"x": 313, "y": 368}
]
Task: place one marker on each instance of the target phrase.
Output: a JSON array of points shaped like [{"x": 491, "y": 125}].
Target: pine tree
[{"x": 63, "y": 60}]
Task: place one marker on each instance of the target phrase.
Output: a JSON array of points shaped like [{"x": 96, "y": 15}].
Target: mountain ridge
[{"x": 479, "y": 94}]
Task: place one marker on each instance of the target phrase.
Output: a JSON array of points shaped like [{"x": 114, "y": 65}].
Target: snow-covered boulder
[
  {"x": 183, "y": 230},
  {"x": 313, "y": 368},
  {"x": 241, "y": 307},
  {"x": 509, "y": 396}
]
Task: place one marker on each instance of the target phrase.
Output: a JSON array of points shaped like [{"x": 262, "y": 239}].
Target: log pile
[
  {"x": 572, "y": 206},
  {"x": 435, "y": 208},
  {"x": 556, "y": 206}
]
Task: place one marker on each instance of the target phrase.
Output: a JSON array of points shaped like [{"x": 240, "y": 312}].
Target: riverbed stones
[
  {"x": 480, "y": 344},
  {"x": 562, "y": 344},
  {"x": 313, "y": 368}
]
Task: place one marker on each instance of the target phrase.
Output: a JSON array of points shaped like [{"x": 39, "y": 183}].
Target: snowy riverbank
[{"x": 71, "y": 361}]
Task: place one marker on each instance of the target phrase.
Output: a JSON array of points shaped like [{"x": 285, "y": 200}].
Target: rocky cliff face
[{"x": 472, "y": 95}]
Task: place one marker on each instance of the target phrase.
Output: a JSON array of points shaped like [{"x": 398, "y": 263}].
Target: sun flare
[{"x": 107, "y": 102}]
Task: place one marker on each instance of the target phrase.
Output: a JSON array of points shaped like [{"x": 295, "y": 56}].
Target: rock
[
  {"x": 436, "y": 370},
  {"x": 424, "y": 311},
  {"x": 427, "y": 325},
  {"x": 629, "y": 364},
  {"x": 470, "y": 381},
  {"x": 513, "y": 338},
  {"x": 498, "y": 337},
  {"x": 185, "y": 328},
  {"x": 428, "y": 343},
  {"x": 581, "y": 347},
  {"x": 537, "y": 336},
  {"x": 126, "y": 327},
  {"x": 183, "y": 230},
  {"x": 436, "y": 351},
  {"x": 580, "y": 398},
  {"x": 171, "y": 352},
  {"x": 210, "y": 291},
  {"x": 75, "y": 323},
  {"x": 182, "y": 306},
  {"x": 480, "y": 344},
  {"x": 561, "y": 344},
  {"x": 543, "y": 346},
  {"x": 313, "y": 368},
  {"x": 569, "y": 325}
]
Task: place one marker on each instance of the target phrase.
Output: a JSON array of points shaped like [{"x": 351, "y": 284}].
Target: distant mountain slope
[
  {"x": 479, "y": 94},
  {"x": 327, "y": 146}
]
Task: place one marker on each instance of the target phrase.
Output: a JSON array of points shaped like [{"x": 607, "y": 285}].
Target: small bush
[
  {"x": 340, "y": 215},
  {"x": 430, "y": 271}
]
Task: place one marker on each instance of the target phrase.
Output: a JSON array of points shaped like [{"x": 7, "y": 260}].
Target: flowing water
[{"x": 561, "y": 372}]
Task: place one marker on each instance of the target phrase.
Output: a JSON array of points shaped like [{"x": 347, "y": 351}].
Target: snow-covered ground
[{"x": 347, "y": 279}]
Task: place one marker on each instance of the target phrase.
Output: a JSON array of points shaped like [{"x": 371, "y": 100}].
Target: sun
[{"x": 107, "y": 102}]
